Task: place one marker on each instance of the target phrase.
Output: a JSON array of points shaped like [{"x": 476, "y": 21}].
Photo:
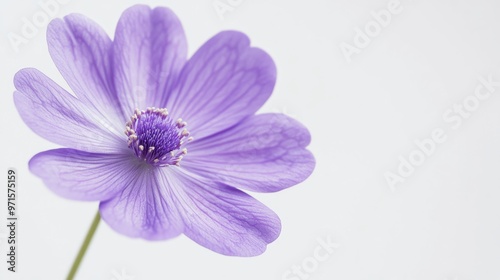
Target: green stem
[{"x": 84, "y": 247}]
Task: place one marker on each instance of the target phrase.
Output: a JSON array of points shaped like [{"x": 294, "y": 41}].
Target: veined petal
[
  {"x": 85, "y": 176},
  {"x": 223, "y": 219},
  {"x": 57, "y": 116},
  {"x": 145, "y": 207},
  {"x": 81, "y": 51},
  {"x": 225, "y": 81},
  {"x": 264, "y": 153},
  {"x": 149, "y": 50}
]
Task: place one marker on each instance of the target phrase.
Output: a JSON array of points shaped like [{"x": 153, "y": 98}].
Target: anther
[{"x": 156, "y": 138}]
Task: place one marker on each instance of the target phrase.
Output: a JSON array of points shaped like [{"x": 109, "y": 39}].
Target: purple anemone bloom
[{"x": 139, "y": 106}]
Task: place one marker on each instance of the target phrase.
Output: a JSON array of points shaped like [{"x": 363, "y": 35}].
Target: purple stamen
[{"x": 155, "y": 138}]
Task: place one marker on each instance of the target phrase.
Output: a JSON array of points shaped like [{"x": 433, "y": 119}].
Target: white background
[{"x": 442, "y": 222}]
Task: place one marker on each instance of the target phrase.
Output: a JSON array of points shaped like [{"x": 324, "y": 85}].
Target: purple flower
[{"x": 142, "y": 83}]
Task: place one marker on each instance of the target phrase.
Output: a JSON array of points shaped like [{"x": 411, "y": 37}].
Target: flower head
[{"x": 140, "y": 106}]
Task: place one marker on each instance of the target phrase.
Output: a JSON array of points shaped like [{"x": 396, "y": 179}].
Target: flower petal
[
  {"x": 56, "y": 115},
  {"x": 264, "y": 153},
  {"x": 81, "y": 51},
  {"x": 85, "y": 176},
  {"x": 149, "y": 50},
  {"x": 144, "y": 208},
  {"x": 224, "y": 219},
  {"x": 225, "y": 81}
]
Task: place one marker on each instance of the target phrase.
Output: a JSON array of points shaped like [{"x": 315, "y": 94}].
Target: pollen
[{"x": 157, "y": 139}]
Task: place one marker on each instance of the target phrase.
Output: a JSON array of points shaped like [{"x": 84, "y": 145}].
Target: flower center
[{"x": 155, "y": 138}]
